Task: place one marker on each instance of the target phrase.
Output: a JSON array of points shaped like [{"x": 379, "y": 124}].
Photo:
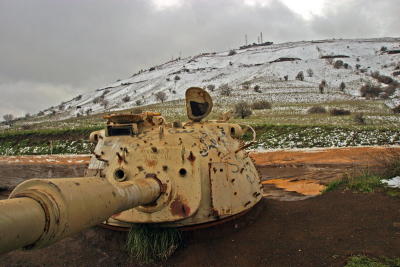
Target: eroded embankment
[{"x": 286, "y": 174}]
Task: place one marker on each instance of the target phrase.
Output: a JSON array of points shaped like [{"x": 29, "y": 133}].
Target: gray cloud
[{"x": 52, "y": 50}]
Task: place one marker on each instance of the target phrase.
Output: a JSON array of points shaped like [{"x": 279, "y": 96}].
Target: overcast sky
[{"x": 53, "y": 50}]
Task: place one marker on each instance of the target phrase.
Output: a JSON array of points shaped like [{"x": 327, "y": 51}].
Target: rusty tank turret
[{"x": 143, "y": 170}]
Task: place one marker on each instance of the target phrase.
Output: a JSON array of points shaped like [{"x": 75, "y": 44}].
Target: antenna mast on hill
[
  {"x": 261, "y": 37},
  {"x": 245, "y": 38}
]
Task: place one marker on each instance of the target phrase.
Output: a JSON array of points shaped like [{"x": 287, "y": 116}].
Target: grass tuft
[
  {"x": 364, "y": 183},
  {"x": 364, "y": 261},
  {"x": 333, "y": 185},
  {"x": 149, "y": 244},
  {"x": 367, "y": 181},
  {"x": 390, "y": 163}
]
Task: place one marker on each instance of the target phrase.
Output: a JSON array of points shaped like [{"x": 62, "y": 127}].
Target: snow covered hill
[{"x": 262, "y": 66}]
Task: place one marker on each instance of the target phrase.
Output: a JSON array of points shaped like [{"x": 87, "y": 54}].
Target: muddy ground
[
  {"x": 288, "y": 228},
  {"x": 320, "y": 231}
]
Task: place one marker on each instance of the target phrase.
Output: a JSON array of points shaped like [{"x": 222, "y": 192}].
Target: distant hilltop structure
[
  {"x": 259, "y": 42},
  {"x": 255, "y": 45}
]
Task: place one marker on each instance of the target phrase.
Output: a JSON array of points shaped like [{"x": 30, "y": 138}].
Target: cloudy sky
[{"x": 52, "y": 50}]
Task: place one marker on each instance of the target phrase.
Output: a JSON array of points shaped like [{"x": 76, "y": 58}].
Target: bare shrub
[
  {"x": 262, "y": 104},
  {"x": 211, "y": 87},
  {"x": 384, "y": 79},
  {"x": 104, "y": 103},
  {"x": 342, "y": 86},
  {"x": 242, "y": 110},
  {"x": 338, "y": 64},
  {"x": 383, "y": 49},
  {"x": 257, "y": 89},
  {"x": 316, "y": 110},
  {"x": 8, "y": 117},
  {"x": 286, "y": 77},
  {"x": 97, "y": 99},
  {"x": 232, "y": 52},
  {"x": 79, "y": 97},
  {"x": 138, "y": 102},
  {"x": 391, "y": 88},
  {"x": 310, "y": 72},
  {"x": 174, "y": 92},
  {"x": 321, "y": 86},
  {"x": 105, "y": 92},
  {"x": 370, "y": 91},
  {"x": 396, "y": 109},
  {"x": 177, "y": 78},
  {"x": 126, "y": 99},
  {"x": 358, "y": 66},
  {"x": 375, "y": 74},
  {"x": 161, "y": 96},
  {"x": 225, "y": 90},
  {"x": 359, "y": 118},
  {"x": 41, "y": 113},
  {"x": 300, "y": 76},
  {"x": 246, "y": 85},
  {"x": 339, "y": 112}
]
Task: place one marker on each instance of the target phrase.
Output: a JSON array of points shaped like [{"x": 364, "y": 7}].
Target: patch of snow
[
  {"x": 253, "y": 65},
  {"x": 393, "y": 182}
]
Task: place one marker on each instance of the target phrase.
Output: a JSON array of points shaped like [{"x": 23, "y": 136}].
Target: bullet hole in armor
[{"x": 182, "y": 172}]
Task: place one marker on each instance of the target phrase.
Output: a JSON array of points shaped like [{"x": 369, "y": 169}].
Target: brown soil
[
  {"x": 323, "y": 156},
  {"x": 16, "y": 169},
  {"x": 321, "y": 231}
]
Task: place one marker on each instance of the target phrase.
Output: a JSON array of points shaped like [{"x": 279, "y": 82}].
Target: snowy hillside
[{"x": 265, "y": 66}]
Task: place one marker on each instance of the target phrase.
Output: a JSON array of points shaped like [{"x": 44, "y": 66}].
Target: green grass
[
  {"x": 333, "y": 186},
  {"x": 268, "y": 137},
  {"x": 363, "y": 183},
  {"x": 47, "y": 141},
  {"x": 364, "y": 261},
  {"x": 366, "y": 181},
  {"x": 376, "y": 113},
  {"x": 149, "y": 244},
  {"x": 286, "y": 125},
  {"x": 305, "y": 136},
  {"x": 48, "y": 132}
]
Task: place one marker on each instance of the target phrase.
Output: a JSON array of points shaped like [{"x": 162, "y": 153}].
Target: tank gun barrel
[{"x": 42, "y": 211}]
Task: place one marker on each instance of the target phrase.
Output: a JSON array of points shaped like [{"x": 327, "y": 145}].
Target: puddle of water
[{"x": 307, "y": 187}]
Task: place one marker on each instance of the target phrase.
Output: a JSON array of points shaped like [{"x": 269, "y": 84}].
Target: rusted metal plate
[{"x": 220, "y": 182}]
